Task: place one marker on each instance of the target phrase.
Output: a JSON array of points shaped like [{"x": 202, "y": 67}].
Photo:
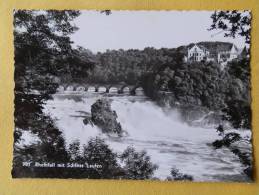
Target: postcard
[{"x": 139, "y": 95}]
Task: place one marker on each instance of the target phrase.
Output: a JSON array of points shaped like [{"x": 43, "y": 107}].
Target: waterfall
[{"x": 169, "y": 141}]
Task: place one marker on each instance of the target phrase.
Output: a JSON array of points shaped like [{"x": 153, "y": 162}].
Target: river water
[{"x": 170, "y": 142}]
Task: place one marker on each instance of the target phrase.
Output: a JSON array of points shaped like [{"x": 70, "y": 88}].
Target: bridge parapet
[{"x": 102, "y": 88}]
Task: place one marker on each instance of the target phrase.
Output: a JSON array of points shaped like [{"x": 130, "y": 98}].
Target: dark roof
[
  {"x": 216, "y": 47},
  {"x": 202, "y": 47},
  {"x": 212, "y": 47}
]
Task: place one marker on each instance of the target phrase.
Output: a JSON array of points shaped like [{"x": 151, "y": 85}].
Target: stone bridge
[{"x": 102, "y": 88}]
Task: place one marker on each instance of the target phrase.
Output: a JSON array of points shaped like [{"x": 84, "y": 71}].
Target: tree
[
  {"x": 137, "y": 165},
  {"x": 232, "y": 141},
  {"x": 50, "y": 147},
  {"x": 97, "y": 152},
  {"x": 76, "y": 66},
  {"x": 41, "y": 39},
  {"x": 238, "y": 112},
  {"x": 240, "y": 69},
  {"x": 74, "y": 150},
  {"x": 233, "y": 23},
  {"x": 237, "y": 108}
]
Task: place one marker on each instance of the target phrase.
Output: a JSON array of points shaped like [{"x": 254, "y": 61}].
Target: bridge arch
[
  {"x": 91, "y": 88},
  {"x": 137, "y": 90},
  {"x": 101, "y": 89},
  {"x": 70, "y": 88},
  {"x": 61, "y": 88},
  {"x": 125, "y": 89},
  {"x": 112, "y": 89},
  {"x": 80, "y": 88}
]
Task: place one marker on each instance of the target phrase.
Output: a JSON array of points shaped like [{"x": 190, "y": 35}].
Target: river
[{"x": 169, "y": 141}]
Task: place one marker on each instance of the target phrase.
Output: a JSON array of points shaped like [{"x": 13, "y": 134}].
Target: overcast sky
[{"x": 140, "y": 29}]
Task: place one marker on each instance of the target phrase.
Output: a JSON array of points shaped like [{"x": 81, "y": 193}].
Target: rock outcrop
[{"x": 105, "y": 118}]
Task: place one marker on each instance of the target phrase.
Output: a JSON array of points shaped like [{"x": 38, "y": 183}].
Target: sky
[{"x": 139, "y": 29}]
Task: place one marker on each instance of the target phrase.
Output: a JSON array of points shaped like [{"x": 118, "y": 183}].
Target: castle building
[
  {"x": 197, "y": 53},
  {"x": 223, "y": 55}
]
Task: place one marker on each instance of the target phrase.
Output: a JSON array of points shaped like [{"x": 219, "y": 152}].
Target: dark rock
[
  {"x": 88, "y": 120},
  {"x": 227, "y": 140},
  {"x": 218, "y": 144},
  {"x": 105, "y": 118}
]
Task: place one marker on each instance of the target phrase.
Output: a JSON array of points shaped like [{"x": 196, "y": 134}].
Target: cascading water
[{"x": 169, "y": 142}]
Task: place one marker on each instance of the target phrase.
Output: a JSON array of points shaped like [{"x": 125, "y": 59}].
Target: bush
[
  {"x": 137, "y": 165},
  {"x": 238, "y": 112},
  {"x": 177, "y": 176},
  {"x": 97, "y": 152},
  {"x": 74, "y": 150}
]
